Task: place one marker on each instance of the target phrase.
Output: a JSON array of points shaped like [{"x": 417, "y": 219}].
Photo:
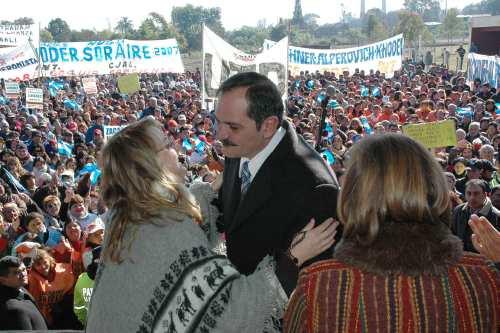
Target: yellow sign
[
  {"x": 433, "y": 135},
  {"x": 129, "y": 84}
]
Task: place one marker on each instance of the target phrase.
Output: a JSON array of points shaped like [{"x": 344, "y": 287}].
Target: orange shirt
[
  {"x": 384, "y": 116},
  {"x": 48, "y": 292}
]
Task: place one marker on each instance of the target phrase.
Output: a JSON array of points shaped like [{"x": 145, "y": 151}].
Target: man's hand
[
  {"x": 486, "y": 238},
  {"x": 217, "y": 183},
  {"x": 311, "y": 241}
]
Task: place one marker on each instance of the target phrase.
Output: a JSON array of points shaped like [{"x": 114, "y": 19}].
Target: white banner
[
  {"x": 268, "y": 44},
  {"x": 18, "y": 63},
  {"x": 221, "y": 60},
  {"x": 384, "y": 56},
  {"x": 109, "y": 131},
  {"x": 110, "y": 57},
  {"x": 89, "y": 85},
  {"x": 12, "y": 89},
  {"x": 34, "y": 98},
  {"x": 15, "y": 34},
  {"x": 483, "y": 67}
]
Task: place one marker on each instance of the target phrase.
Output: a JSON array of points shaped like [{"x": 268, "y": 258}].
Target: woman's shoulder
[{"x": 323, "y": 267}]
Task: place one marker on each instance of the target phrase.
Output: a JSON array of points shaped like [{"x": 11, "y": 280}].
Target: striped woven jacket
[{"x": 384, "y": 288}]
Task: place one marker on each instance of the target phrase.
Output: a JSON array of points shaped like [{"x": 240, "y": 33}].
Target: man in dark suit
[{"x": 274, "y": 182}]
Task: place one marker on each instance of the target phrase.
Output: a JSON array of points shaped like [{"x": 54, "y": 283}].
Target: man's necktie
[{"x": 245, "y": 177}]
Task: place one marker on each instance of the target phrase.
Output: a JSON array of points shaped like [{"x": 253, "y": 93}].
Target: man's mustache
[{"x": 228, "y": 143}]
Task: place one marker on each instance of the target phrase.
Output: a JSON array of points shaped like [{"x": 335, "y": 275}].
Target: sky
[{"x": 100, "y": 14}]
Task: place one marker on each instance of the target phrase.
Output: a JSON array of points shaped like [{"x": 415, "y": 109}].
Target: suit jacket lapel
[
  {"x": 258, "y": 193},
  {"x": 231, "y": 191}
]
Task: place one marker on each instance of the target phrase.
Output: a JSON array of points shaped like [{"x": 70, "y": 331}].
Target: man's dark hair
[
  {"x": 262, "y": 95},
  {"x": 479, "y": 183},
  {"x": 8, "y": 262}
]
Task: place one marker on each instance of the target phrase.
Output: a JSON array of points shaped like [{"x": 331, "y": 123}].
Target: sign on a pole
[{"x": 34, "y": 98}]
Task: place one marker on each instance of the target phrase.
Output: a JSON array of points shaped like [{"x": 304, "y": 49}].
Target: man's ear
[{"x": 269, "y": 126}]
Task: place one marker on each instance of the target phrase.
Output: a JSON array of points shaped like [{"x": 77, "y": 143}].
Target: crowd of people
[{"x": 246, "y": 203}]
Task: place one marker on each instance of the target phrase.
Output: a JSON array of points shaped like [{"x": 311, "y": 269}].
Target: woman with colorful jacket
[{"x": 398, "y": 267}]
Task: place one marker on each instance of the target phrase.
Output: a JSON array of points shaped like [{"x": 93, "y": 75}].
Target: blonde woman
[
  {"x": 398, "y": 267},
  {"x": 158, "y": 272}
]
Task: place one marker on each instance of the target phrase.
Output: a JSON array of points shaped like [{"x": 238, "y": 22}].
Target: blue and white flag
[
  {"x": 71, "y": 104},
  {"x": 93, "y": 169},
  {"x": 199, "y": 145},
  {"x": 376, "y": 92},
  {"x": 64, "y": 148},
  {"x": 330, "y": 133},
  {"x": 465, "y": 112},
  {"x": 330, "y": 158},
  {"x": 364, "y": 91},
  {"x": 332, "y": 104},
  {"x": 13, "y": 182},
  {"x": 54, "y": 87},
  {"x": 186, "y": 144},
  {"x": 3, "y": 100},
  {"x": 366, "y": 125}
]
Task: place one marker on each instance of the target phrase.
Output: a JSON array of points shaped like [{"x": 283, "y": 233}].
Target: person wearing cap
[
  {"x": 94, "y": 238},
  {"x": 151, "y": 109},
  {"x": 36, "y": 139},
  {"x": 24, "y": 156},
  {"x": 485, "y": 92},
  {"x": 478, "y": 203},
  {"x": 181, "y": 119},
  {"x": 474, "y": 170},
  {"x": 98, "y": 124},
  {"x": 18, "y": 310}
]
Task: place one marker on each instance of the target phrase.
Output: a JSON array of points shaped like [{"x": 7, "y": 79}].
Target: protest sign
[
  {"x": 18, "y": 63},
  {"x": 221, "y": 61},
  {"x": 485, "y": 68},
  {"x": 109, "y": 131},
  {"x": 18, "y": 34},
  {"x": 34, "y": 98},
  {"x": 433, "y": 135},
  {"x": 384, "y": 56},
  {"x": 110, "y": 57},
  {"x": 89, "y": 85},
  {"x": 129, "y": 84},
  {"x": 12, "y": 89}
]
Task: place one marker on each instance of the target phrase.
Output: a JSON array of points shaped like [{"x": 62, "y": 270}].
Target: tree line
[{"x": 185, "y": 25}]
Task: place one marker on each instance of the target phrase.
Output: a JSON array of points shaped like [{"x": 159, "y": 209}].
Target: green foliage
[
  {"x": 188, "y": 20},
  {"x": 248, "y": 39},
  {"x": 84, "y": 35},
  {"x": 374, "y": 26},
  {"x": 59, "y": 30},
  {"x": 412, "y": 26},
  {"x": 453, "y": 25},
  {"x": 484, "y": 7},
  {"x": 46, "y": 36},
  {"x": 125, "y": 28},
  {"x": 298, "y": 18}
]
